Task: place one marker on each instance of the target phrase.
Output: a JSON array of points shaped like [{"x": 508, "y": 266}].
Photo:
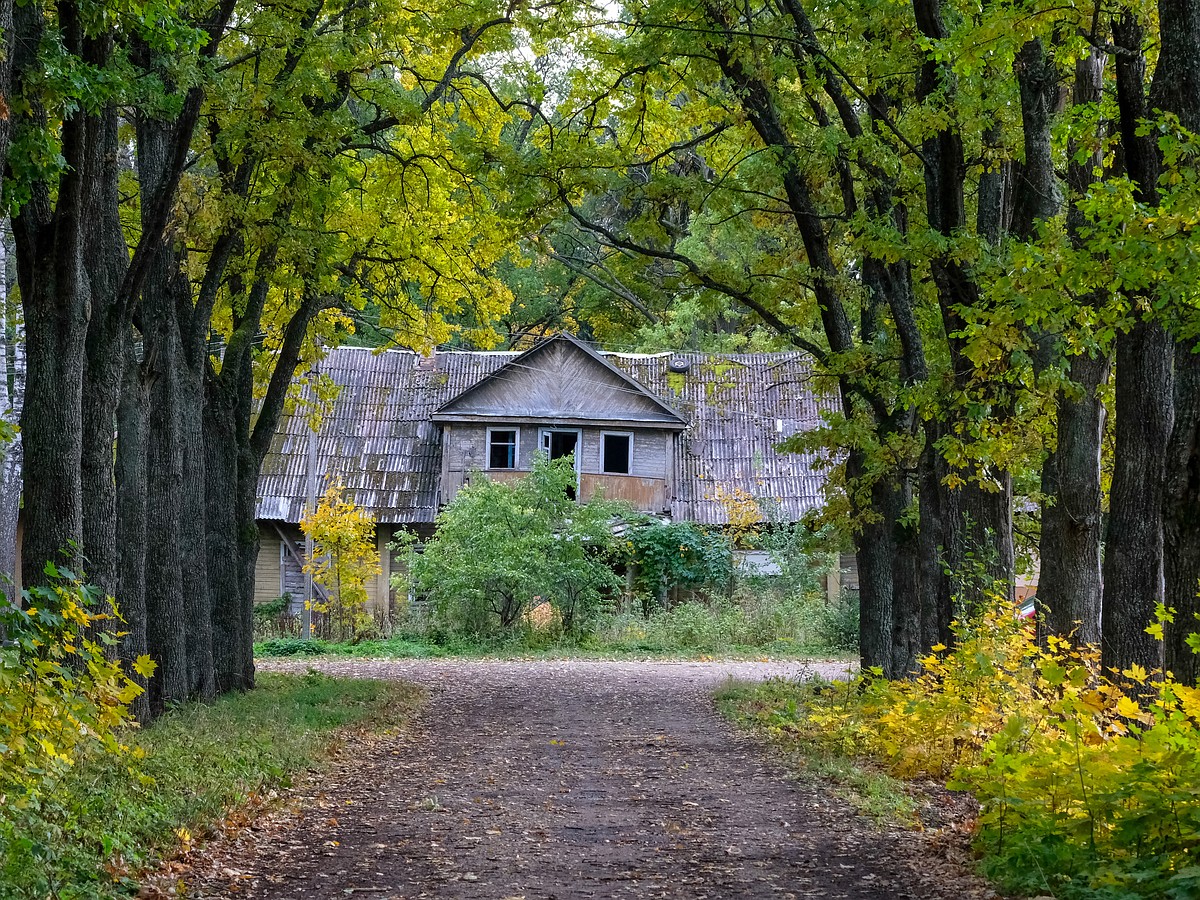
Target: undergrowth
[
  {"x": 201, "y": 763},
  {"x": 1088, "y": 783},
  {"x": 755, "y": 623}
]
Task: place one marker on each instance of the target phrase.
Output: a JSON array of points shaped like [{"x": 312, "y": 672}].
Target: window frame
[
  {"x": 516, "y": 445},
  {"x": 629, "y": 456}
]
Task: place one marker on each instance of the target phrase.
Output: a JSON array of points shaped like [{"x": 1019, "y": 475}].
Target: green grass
[
  {"x": 201, "y": 762},
  {"x": 774, "y": 709},
  {"x": 416, "y": 647}
]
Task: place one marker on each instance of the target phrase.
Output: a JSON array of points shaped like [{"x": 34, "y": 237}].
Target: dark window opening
[
  {"x": 502, "y": 449},
  {"x": 615, "y": 453},
  {"x": 557, "y": 444}
]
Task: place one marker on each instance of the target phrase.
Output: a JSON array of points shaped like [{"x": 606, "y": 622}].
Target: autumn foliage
[
  {"x": 344, "y": 560},
  {"x": 64, "y": 699},
  {"x": 1086, "y": 779}
]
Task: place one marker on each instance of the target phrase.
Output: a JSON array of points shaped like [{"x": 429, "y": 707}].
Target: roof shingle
[{"x": 380, "y": 441}]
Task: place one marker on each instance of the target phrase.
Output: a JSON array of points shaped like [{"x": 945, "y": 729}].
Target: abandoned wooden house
[{"x": 667, "y": 432}]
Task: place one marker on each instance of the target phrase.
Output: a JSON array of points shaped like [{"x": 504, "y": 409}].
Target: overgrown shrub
[
  {"x": 503, "y": 547},
  {"x": 64, "y": 699},
  {"x": 1087, "y": 781},
  {"x": 671, "y": 555}
]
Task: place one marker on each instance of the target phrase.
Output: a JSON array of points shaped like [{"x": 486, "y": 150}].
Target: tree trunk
[
  {"x": 132, "y": 413},
  {"x": 1070, "y": 586},
  {"x": 223, "y": 546},
  {"x": 875, "y": 550},
  {"x": 1177, "y": 90},
  {"x": 1133, "y": 559},
  {"x": 106, "y": 338},
  {"x": 12, "y": 342},
  {"x": 166, "y": 633},
  {"x": 55, "y": 311},
  {"x": 1181, "y": 525},
  {"x": 192, "y": 549}
]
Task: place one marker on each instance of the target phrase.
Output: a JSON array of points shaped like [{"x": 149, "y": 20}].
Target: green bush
[
  {"x": 292, "y": 646},
  {"x": 501, "y": 548}
]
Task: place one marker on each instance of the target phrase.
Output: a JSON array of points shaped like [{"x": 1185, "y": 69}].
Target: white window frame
[
  {"x": 625, "y": 434},
  {"x": 516, "y": 431}
]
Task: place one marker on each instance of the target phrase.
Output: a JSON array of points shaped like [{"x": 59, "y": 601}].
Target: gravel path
[{"x": 569, "y": 779}]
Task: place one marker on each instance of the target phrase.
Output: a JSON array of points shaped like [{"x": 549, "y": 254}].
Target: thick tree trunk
[
  {"x": 132, "y": 413},
  {"x": 1070, "y": 586},
  {"x": 937, "y": 594},
  {"x": 1133, "y": 561},
  {"x": 1133, "y": 558},
  {"x": 224, "y": 551},
  {"x": 907, "y": 621},
  {"x": 166, "y": 633},
  {"x": 192, "y": 550},
  {"x": 875, "y": 550},
  {"x": 976, "y": 521},
  {"x": 1181, "y": 526},
  {"x": 1177, "y": 90},
  {"x": 55, "y": 311},
  {"x": 106, "y": 337}
]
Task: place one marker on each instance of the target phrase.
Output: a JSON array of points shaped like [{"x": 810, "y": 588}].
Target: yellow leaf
[
  {"x": 144, "y": 666},
  {"x": 1127, "y": 708}
]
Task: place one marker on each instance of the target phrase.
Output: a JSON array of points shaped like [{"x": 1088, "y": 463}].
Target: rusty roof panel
[{"x": 380, "y": 441}]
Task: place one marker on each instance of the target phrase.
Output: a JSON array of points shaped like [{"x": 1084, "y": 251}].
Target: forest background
[{"x": 978, "y": 218}]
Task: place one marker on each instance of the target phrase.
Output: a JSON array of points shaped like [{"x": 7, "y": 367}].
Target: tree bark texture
[
  {"x": 105, "y": 350},
  {"x": 1070, "y": 585},
  {"x": 12, "y": 344},
  {"x": 1176, "y": 89},
  {"x": 978, "y": 521},
  {"x": 1133, "y": 560},
  {"x": 130, "y": 476},
  {"x": 222, "y": 544},
  {"x": 1181, "y": 526}
]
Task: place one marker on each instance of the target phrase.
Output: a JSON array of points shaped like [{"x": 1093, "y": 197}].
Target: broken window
[
  {"x": 502, "y": 448},
  {"x": 616, "y": 453}
]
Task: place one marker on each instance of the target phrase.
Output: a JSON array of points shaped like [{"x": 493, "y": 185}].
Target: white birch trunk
[{"x": 12, "y": 365}]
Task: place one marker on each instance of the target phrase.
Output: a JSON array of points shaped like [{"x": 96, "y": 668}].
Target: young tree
[{"x": 344, "y": 559}]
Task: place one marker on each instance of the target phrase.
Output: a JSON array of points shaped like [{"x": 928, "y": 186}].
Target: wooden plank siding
[
  {"x": 268, "y": 577},
  {"x": 646, "y": 486}
]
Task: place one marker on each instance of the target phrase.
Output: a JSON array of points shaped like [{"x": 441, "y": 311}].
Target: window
[
  {"x": 502, "y": 448},
  {"x": 616, "y": 453}
]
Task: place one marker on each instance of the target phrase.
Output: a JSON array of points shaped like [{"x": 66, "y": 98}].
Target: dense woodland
[{"x": 977, "y": 217}]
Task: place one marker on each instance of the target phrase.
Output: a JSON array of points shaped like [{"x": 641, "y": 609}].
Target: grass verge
[
  {"x": 415, "y": 647},
  {"x": 202, "y": 764},
  {"x": 774, "y": 709}
]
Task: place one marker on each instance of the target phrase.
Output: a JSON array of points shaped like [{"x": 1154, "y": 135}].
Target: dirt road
[{"x": 570, "y": 780}]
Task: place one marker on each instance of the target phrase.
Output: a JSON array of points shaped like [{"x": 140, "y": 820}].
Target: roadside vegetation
[
  {"x": 1086, "y": 780},
  {"x": 520, "y": 567},
  {"x": 88, "y": 800}
]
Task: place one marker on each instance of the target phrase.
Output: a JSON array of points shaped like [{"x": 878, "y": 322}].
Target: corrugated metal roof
[{"x": 380, "y": 441}]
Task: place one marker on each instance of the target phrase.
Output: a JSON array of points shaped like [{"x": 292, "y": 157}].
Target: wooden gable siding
[{"x": 558, "y": 382}]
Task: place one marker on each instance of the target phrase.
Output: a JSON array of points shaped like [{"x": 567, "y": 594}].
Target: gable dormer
[
  {"x": 561, "y": 381},
  {"x": 563, "y": 398}
]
